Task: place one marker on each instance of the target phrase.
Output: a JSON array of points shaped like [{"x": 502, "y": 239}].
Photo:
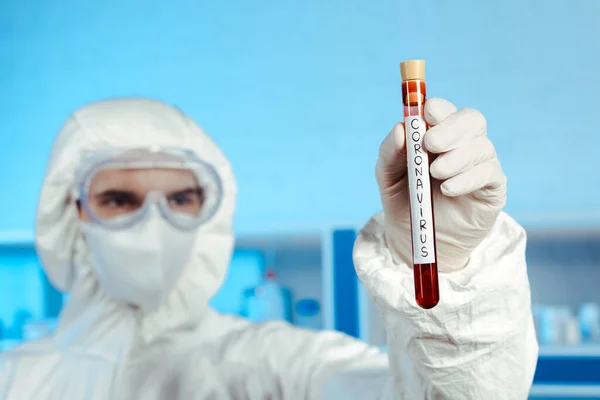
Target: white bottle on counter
[{"x": 589, "y": 322}]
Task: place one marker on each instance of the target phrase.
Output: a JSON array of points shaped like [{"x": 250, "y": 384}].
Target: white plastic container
[
  {"x": 266, "y": 302},
  {"x": 589, "y": 323},
  {"x": 38, "y": 329}
]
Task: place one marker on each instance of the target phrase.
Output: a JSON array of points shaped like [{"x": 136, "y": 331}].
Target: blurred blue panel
[
  {"x": 567, "y": 248},
  {"x": 21, "y": 287},
  {"x": 246, "y": 270},
  {"x": 53, "y": 299},
  {"x": 345, "y": 291},
  {"x": 568, "y": 370}
]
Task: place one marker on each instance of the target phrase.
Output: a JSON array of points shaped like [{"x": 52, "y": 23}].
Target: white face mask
[{"x": 141, "y": 264}]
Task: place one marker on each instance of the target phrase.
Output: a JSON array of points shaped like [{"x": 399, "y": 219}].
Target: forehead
[{"x": 142, "y": 180}]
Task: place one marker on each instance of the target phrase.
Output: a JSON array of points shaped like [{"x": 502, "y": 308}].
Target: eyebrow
[
  {"x": 189, "y": 190},
  {"x": 116, "y": 192}
]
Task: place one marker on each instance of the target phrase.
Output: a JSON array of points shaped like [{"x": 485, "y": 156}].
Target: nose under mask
[{"x": 140, "y": 264}]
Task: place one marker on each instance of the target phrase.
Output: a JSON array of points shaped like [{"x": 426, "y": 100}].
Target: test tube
[{"x": 422, "y": 224}]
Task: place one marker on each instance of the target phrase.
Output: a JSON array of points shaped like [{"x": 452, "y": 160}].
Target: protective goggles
[{"x": 116, "y": 188}]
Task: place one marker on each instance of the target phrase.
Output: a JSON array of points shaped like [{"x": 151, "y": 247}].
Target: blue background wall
[{"x": 302, "y": 93}]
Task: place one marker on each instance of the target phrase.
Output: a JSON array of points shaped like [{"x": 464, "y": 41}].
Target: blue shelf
[
  {"x": 587, "y": 351},
  {"x": 564, "y": 392},
  {"x": 567, "y": 372},
  {"x": 17, "y": 238}
]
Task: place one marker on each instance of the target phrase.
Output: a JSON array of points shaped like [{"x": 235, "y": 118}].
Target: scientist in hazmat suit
[{"x": 135, "y": 221}]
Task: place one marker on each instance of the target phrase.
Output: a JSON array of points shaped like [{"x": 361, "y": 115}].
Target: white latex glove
[{"x": 469, "y": 187}]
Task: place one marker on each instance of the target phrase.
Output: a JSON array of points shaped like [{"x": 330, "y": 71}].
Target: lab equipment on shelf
[
  {"x": 268, "y": 301},
  {"x": 589, "y": 322},
  {"x": 38, "y": 329},
  {"x": 564, "y": 326},
  {"x": 309, "y": 314}
]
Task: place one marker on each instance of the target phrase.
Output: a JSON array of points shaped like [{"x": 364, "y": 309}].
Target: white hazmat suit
[{"x": 478, "y": 343}]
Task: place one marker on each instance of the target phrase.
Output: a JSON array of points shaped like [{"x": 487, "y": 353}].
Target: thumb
[{"x": 391, "y": 164}]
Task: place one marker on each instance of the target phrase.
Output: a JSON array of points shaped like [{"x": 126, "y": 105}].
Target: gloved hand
[{"x": 469, "y": 187}]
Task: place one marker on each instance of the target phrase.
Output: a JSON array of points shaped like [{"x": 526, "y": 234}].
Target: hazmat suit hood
[{"x": 125, "y": 124}]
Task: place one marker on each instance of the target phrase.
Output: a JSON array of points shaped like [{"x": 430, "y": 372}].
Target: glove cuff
[{"x": 450, "y": 255}]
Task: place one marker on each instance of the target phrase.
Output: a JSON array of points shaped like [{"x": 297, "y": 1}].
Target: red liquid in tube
[{"x": 424, "y": 250}]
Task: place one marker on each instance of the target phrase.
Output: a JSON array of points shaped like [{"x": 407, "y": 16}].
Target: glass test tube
[{"x": 424, "y": 251}]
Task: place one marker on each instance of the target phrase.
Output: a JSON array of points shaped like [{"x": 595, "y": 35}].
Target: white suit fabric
[{"x": 478, "y": 343}]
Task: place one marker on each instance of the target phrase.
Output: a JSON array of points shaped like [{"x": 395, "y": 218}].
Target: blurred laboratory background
[{"x": 299, "y": 95}]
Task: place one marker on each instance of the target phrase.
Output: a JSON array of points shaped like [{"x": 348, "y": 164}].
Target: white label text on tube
[{"x": 420, "y": 191}]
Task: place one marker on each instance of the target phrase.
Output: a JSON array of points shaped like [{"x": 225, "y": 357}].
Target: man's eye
[
  {"x": 117, "y": 202},
  {"x": 181, "y": 199}
]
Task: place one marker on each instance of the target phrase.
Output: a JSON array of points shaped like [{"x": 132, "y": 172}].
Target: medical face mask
[{"x": 139, "y": 264}]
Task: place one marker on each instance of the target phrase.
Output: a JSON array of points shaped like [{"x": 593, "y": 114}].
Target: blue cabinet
[{"x": 25, "y": 293}]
